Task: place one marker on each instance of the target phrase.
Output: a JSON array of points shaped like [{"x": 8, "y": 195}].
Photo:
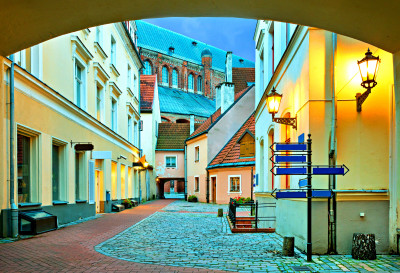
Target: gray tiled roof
[
  {"x": 180, "y": 102},
  {"x": 159, "y": 39}
]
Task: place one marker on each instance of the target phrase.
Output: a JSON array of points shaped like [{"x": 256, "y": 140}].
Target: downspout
[
  {"x": 208, "y": 187},
  {"x": 14, "y": 208},
  {"x": 332, "y": 157},
  {"x": 140, "y": 130},
  {"x": 185, "y": 171}
]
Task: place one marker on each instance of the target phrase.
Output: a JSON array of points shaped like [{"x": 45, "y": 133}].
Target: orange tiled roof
[
  {"x": 241, "y": 76},
  {"x": 172, "y": 135},
  {"x": 147, "y": 85},
  {"x": 230, "y": 153}
]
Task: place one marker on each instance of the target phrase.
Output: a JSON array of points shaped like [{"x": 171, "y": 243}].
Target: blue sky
[{"x": 230, "y": 34}]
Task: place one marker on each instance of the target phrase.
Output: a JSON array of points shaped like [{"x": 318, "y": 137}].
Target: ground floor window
[
  {"x": 114, "y": 178},
  {"x": 24, "y": 168},
  {"x": 123, "y": 189},
  {"x": 56, "y": 173},
  {"x": 234, "y": 183},
  {"x": 80, "y": 186},
  {"x": 196, "y": 184}
]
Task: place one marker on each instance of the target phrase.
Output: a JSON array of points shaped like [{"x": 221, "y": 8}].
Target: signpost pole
[{"x": 309, "y": 203}]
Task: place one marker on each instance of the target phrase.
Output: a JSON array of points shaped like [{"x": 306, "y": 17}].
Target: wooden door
[{"x": 214, "y": 189}]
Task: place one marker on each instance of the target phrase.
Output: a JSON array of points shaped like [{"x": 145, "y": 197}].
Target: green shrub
[{"x": 192, "y": 198}]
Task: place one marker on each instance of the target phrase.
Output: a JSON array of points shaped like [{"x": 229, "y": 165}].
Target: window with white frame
[
  {"x": 37, "y": 61},
  {"x": 234, "y": 183},
  {"x": 135, "y": 85},
  {"x": 135, "y": 132},
  {"x": 99, "y": 35},
  {"x": 99, "y": 101},
  {"x": 113, "y": 52},
  {"x": 80, "y": 85},
  {"x": 114, "y": 114},
  {"x": 58, "y": 173},
  {"x": 196, "y": 154},
  {"x": 20, "y": 58},
  {"x": 130, "y": 129},
  {"x": 196, "y": 184},
  {"x": 190, "y": 82},
  {"x": 79, "y": 177},
  {"x": 165, "y": 75},
  {"x": 170, "y": 161},
  {"x": 199, "y": 84},
  {"x": 129, "y": 77},
  {"x": 147, "y": 68},
  {"x": 175, "y": 78}
]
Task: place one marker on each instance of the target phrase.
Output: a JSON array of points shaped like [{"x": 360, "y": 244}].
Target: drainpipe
[
  {"x": 208, "y": 187},
  {"x": 185, "y": 172},
  {"x": 140, "y": 142},
  {"x": 14, "y": 208},
  {"x": 332, "y": 158}
]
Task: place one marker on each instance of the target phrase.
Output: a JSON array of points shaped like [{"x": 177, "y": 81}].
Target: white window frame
[
  {"x": 130, "y": 128},
  {"x": 63, "y": 168},
  {"x": 83, "y": 96},
  {"x": 135, "y": 85},
  {"x": 20, "y": 58},
  {"x": 113, "y": 51},
  {"x": 136, "y": 133},
  {"x": 83, "y": 175},
  {"x": 129, "y": 77},
  {"x": 37, "y": 61},
  {"x": 102, "y": 98},
  {"x": 240, "y": 184},
  {"x": 114, "y": 115},
  {"x": 99, "y": 35},
  {"x": 194, "y": 184},
  {"x": 196, "y": 159},
  {"x": 176, "y": 161}
]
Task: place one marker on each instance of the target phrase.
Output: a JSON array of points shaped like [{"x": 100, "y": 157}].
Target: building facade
[
  {"x": 316, "y": 72},
  {"x": 75, "y": 89}
]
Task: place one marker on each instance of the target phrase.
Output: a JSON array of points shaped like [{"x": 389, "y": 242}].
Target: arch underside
[{"x": 26, "y": 23}]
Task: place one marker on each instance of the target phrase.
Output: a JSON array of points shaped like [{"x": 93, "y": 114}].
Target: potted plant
[
  {"x": 127, "y": 203},
  {"x": 192, "y": 198}
]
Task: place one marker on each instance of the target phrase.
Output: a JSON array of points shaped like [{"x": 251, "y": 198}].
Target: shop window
[
  {"x": 24, "y": 169},
  {"x": 114, "y": 178},
  {"x": 80, "y": 186},
  {"x": 59, "y": 189},
  {"x": 123, "y": 188}
]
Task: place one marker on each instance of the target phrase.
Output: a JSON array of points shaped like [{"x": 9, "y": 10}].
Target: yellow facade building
[
  {"x": 78, "y": 88},
  {"x": 316, "y": 71}
]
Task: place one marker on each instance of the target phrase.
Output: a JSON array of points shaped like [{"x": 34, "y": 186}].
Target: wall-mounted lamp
[
  {"x": 368, "y": 66},
  {"x": 273, "y": 103},
  {"x": 123, "y": 157}
]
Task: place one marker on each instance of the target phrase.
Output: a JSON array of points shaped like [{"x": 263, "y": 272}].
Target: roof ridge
[{"x": 180, "y": 34}]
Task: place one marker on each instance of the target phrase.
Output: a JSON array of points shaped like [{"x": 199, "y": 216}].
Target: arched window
[
  {"x": 147, "y": 68},
  {"x": 199, "y": 84},
  {"x": 165, "y": 75},
  {"x": 175, "y": 78},
  {"x": 190, "y": 82}
]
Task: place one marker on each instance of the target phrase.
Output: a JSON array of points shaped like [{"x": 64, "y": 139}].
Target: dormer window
[
  {"x": 241, "y": 61},
  {"x": 171, "y": 49},
  {"x": 194, "y": 43},
  {"x": 247, "y": 144}
]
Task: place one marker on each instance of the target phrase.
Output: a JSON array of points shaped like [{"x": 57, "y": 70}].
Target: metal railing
[{"x": 253, "y": 209}]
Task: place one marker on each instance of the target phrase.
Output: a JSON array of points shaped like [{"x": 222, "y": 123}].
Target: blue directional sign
[
  {"x": 293, "y": 171},
  {"x": 322, "y": 194},
  {"x": 291, "y": 194},
  {"x": 290, "y": 158},
  {"x": 290, "y": 147},
  {"x": 334, "y": 170}
]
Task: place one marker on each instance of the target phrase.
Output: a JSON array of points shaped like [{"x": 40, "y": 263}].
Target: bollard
[
  {"x": 220, "y": 212},
  {"x": 288, "y": 246}
]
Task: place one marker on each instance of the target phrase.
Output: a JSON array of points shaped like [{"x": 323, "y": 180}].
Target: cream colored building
[
  {"x": 81, "y": 87},
  {"x": 316, "y": 72}
]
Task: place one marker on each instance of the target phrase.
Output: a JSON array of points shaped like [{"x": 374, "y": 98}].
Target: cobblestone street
[
  {"x": 166, "y": 236},
  {"x": 190, "y": 235}
]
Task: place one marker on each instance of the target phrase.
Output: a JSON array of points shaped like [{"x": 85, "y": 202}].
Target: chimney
[
  {"x": 217, "y": 97},
  {"x": 191, "y": 124},
  {"x": 227, "y": 89},
  {"x": 228, "y": 67}
]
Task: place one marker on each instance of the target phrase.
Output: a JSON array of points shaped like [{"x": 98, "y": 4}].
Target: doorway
[
  {"x": 214, "y": 188},
  {"x": 99, "y": 186}
]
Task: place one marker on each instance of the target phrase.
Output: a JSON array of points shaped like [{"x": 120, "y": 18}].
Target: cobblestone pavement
[
  {"x": 71, "y": 249},
  {"x": 190, "y": 235}
]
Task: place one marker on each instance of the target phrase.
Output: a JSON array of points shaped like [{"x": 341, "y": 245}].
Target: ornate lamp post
[
  {"x": 368, "y": 66},
  {"x": 273, "y": 102}
]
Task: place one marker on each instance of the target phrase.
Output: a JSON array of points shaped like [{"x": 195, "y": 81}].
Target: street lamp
[
  {"x": 273, "y": 102},
  {"x": 368, "y": 66}
]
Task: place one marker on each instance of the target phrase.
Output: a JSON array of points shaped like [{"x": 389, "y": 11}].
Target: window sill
[
  {"x": 235, "y": 192},
  {"x": 56, "y": 202},
  {"x": 80, "y": 201},
  {"x": 196, "y": 161},
  {"x": 23, "y": 205}
]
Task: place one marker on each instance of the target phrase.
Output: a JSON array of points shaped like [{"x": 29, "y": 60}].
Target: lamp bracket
[
  {"x": 287, "y": 121},
  {"x": 360, "y": 98}
]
